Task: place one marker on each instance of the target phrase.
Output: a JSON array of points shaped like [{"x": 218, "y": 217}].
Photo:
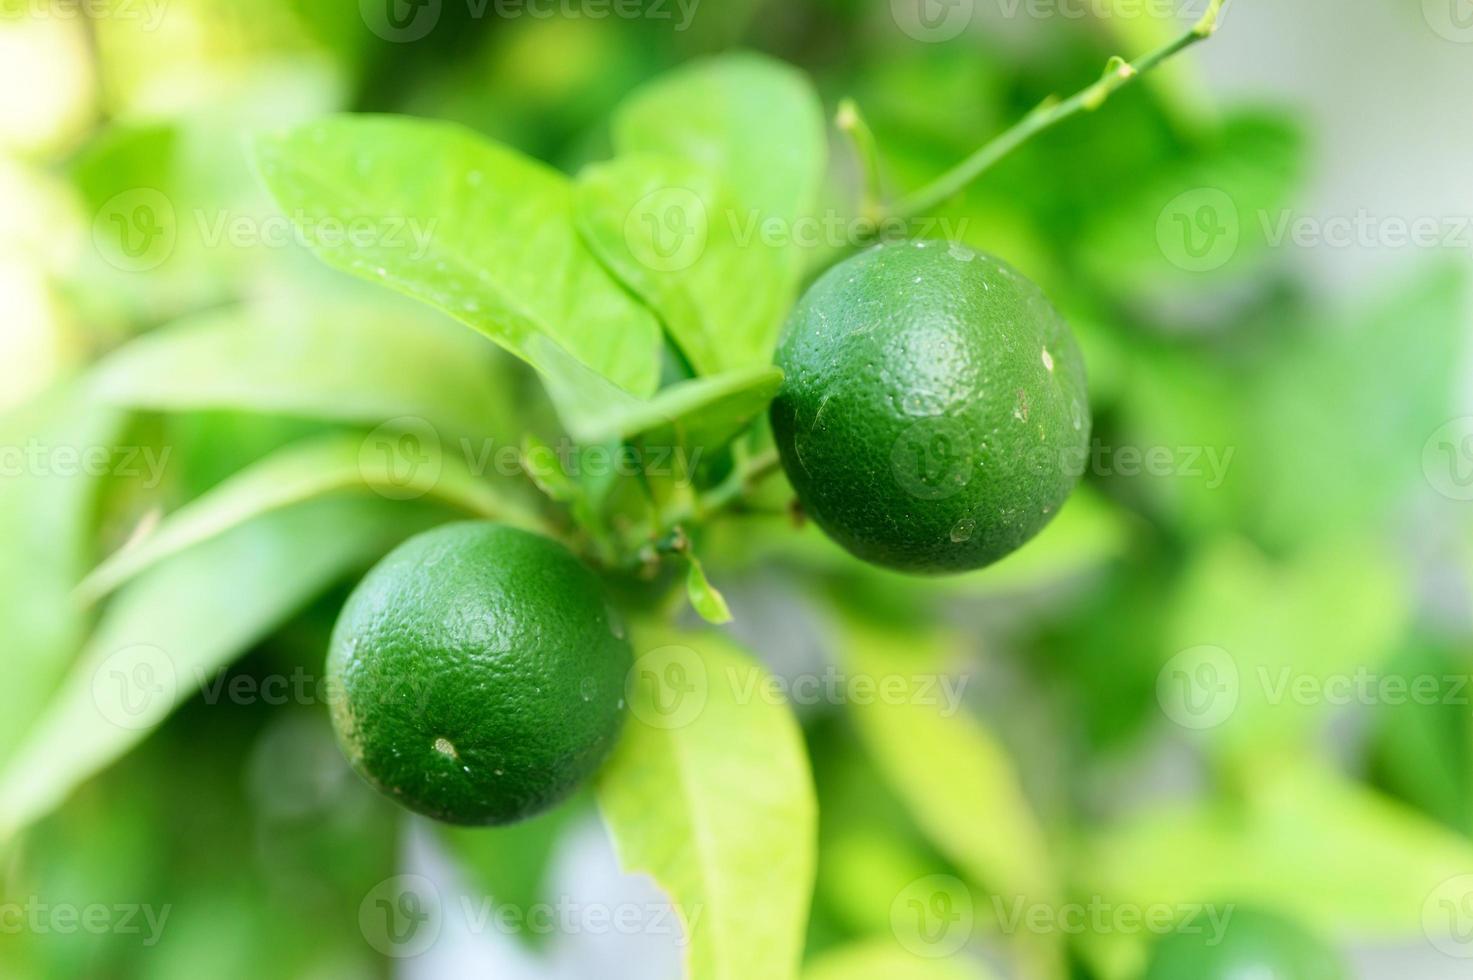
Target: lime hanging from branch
[{"x": 934, "y": 415}]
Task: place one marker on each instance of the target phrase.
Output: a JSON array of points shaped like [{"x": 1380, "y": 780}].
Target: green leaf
[
  {"x": 738, "y": 866},
  {"x": 545, "y": 469},
  {"x": 1246, "y": 635},
  {"x": 314, "y": 468},
  {"x": 757, "y": 127},
  {"x": 343, "y": 363},
  {"x": 174, "y": 195},
  {"x": 877, "y": 959},
  {"x": 486, "y": 235},
  {"x": 704, "y": 598},
  {"x": 167, "y": 633},
  {"x": 756, "y": 123},
  {"x": 1210, "y": 214},
  {"x": 669, "y": 229},
  {"x": 1391, "y": 394},
  {"x": 948, "y": 768},
  {"x": 1308, "y": 843},
  {"x": 1420, "y": 748},
  {"x": 705, "y": 412},
  {"x": 1184, "y": 398},
  {"x": 45, "y": 523}
]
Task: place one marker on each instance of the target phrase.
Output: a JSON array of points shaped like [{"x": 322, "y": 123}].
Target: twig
[
  {"x": 1118, "y": 74},
  {"x": 851, "y": 123}
]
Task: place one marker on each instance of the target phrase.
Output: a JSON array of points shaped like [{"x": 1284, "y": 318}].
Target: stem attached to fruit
[
  {"x": 666, "y": 533},
  {"x": 866, "y": 156},
  {"x": 746, "y": 476},
  {"x": 1118, "y": 74}
]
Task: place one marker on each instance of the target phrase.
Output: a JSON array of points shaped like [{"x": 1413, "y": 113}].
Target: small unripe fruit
[
  {"x": 476, "y": 674},
  {"x": 934, "y": 415}
]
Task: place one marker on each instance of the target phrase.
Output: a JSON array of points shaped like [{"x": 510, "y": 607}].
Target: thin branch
[
  {"x": 861, "y": 138},
  {"x": 1118, "y": 74}
]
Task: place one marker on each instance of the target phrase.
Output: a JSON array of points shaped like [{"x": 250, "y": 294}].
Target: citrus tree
[{"x": 664, "y": 386}]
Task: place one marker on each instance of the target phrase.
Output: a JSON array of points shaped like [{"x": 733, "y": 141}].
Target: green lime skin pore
[
  {"x": 476, "y": 674},
  {"x": 1254, "y": 944},
  {"x": 935, "y": 414}
]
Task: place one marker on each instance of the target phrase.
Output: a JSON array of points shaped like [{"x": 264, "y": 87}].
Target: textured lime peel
[
  {"x": 934, "y": 414},
  {"x": 477, "y": 675}
]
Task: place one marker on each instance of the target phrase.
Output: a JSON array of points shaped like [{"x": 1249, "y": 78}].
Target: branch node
[{"x": 1207, "y": 25}]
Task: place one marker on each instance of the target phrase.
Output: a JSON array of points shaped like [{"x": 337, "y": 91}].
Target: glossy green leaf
[
  {"x": 757, "y": 127},
  {"x": 471, "y": 227},
  {"x": 739, "y": 867},
  {"x": 671, "y": 232},
  {"x": 315, "y": 468},
  {"x": 755, "y": 122},
  {"x": 344, "y": 363},
  {"x": 169, "y": 632}
]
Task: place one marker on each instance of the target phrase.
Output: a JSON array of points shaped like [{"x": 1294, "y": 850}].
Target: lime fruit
[
  {"x": 934, "y": 415},
  {"x": 1251, "y": 943},
  {"x": 476, "y": 674}
]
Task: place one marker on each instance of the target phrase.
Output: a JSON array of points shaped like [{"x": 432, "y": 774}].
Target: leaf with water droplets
[{"x": 471, "y": 227}]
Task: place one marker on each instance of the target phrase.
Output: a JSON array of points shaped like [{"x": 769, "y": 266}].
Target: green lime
[
  {"x": 934, "y": 416},
  {"x": 1247, "y": 943},
  {"x": 477, "y": 674}
]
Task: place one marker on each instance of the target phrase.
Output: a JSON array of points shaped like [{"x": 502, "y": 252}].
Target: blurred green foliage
[{"x": 1290, "y": 525}]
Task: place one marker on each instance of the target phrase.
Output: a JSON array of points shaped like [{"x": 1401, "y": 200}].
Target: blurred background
[{"x": 1235, "y": 670}]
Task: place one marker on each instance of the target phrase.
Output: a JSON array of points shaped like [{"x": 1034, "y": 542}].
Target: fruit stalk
[{"x": 866, "y": 154}]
